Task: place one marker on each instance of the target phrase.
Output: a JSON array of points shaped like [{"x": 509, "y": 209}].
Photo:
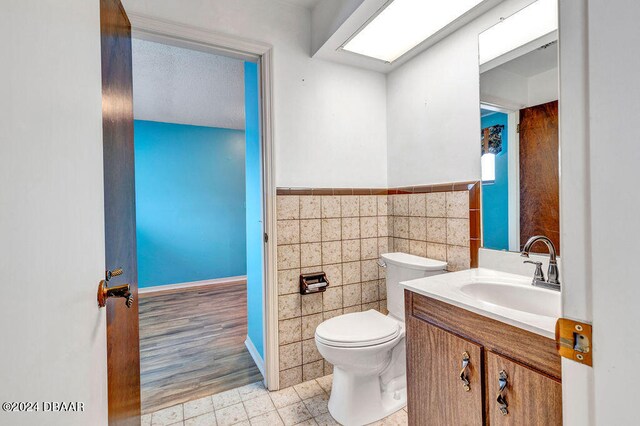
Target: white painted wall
[
  {"x": 329, "y": 116},
  {"x": 51, "y": 211},
  {"x": 514, "y": 91},
  {"x": 504, "y": 88},
  {"x": 512, "y": 262},
  {"x": 543, "y": 87},
  {"x": 433, "y": 116}
]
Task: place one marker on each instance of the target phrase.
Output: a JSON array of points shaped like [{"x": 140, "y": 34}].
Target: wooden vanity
[{"x": 441, "y": 337}]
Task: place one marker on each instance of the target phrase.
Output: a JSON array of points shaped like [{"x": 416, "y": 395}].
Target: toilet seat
[{"x": 358, "y": 329}]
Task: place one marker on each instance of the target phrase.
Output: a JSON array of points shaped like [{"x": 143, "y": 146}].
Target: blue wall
[
  {"x": 190, "y": 195},
  {"x": 255, "y": 230},
  {"x": 495, "y": 196}
]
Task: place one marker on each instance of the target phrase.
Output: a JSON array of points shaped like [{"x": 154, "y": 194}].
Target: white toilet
[{"x": 367, "y": 349}]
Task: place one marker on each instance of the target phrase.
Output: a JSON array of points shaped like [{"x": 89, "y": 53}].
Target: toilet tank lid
[{"x": 414, "y": 262}]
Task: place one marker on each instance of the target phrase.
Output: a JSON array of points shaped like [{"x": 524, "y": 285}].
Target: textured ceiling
[
  {"x": 176, "y": 85},
  {"x": 309, "y": 4}
]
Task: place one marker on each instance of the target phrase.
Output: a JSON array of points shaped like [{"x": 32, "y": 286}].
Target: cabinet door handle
[
  {"x": 464, "y": 377},
  {"x": 501, "y": 399}
]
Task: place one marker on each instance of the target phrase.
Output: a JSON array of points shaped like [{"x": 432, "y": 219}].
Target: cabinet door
[
  {"x": 436, "y": 393},
  {"x": 531, "y": 398}
]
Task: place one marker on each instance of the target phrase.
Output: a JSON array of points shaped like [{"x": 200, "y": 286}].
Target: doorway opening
[
  {"x": 500, "y": 177},
  {"x": 200, "y": 222}
]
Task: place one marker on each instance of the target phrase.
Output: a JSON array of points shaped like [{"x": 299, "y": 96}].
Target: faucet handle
[{"x": 538, "y": 275}]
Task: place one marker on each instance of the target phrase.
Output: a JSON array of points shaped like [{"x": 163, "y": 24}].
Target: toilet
[{"x": 367, "y": 349}]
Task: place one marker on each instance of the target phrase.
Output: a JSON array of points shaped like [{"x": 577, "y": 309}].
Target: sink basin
[
  {"x": 505, "y": 297},
  {"x": 530, "y": 299}
]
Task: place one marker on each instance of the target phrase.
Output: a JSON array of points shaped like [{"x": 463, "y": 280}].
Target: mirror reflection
[{"x": 519, "y": 149}]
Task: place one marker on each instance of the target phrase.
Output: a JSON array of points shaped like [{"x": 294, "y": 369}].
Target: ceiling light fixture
[
  {"x": 531, "y": 23},
  {"x": 403, "y": 24}
]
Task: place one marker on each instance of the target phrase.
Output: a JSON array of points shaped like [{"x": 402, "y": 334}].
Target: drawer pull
[
  {"x": 500, "y": 399},
  {"x": 464, "y": 377}
]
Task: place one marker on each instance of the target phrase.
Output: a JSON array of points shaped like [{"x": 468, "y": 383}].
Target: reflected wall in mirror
[{"x": 519, "y": 149}]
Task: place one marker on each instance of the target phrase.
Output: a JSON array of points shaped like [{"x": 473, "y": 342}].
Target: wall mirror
[{"x": 519, "y": 150}]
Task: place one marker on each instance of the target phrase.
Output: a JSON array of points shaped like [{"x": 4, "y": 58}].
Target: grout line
[
  {"x": 215, "y": 416},
  {"x": 244, "y": 408}
]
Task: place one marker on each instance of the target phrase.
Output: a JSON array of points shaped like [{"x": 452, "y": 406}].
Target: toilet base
[{"x": 359, "y": 400}]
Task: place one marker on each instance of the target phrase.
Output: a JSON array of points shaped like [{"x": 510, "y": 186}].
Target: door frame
[{"x": 195, "y": 38}]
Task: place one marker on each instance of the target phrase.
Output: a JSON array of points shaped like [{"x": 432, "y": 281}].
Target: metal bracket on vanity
[{"x": 574, "y": 341}]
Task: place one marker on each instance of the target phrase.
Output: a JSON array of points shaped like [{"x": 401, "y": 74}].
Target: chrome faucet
[{"x": 552, "y": 282}]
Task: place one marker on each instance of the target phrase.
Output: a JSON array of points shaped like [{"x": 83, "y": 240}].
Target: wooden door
[
  {"x": 532, "y": 398},
  {"x": 123, "y": 353},
  {"x": 436, "y": 392},
  {"x": 539, "y": 174}
]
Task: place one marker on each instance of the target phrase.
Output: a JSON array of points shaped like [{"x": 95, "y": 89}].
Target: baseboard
[
  {"x": 172, "y": 288},
  {"x": 255, "y": 355}
]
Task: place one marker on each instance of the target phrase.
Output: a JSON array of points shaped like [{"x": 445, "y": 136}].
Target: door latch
[
  {"x": 105, "y": 292},
  {"x": 573, "y": 340}
]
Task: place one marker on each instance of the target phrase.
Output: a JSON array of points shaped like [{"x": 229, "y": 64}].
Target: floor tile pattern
[{"x": 253, "y": 405}]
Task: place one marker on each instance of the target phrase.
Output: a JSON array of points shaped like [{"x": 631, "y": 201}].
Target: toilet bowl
[{"x": 367, "y": 349}]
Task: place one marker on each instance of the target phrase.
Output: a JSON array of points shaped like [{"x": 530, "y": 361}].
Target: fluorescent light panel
[
  {"x": 404, "y": 24},
  {"x": 534, "y": 21}
]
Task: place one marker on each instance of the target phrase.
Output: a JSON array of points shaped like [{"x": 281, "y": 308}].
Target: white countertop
[{"x": 448, "y": 288}]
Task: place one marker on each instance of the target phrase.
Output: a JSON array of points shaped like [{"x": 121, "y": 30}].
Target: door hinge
[
  {"x": 518, "y": 128},
  {"x": 573, "y": 340},
  {"x": 266, "y": 237}
]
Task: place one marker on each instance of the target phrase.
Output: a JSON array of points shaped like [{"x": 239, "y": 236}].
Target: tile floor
[{"x": 303, "y": 404}]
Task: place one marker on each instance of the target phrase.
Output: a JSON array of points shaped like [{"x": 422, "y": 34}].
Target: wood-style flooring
[{"x": 192, "y": 344}]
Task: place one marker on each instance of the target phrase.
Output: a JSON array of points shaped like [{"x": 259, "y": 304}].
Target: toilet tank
[{"x": 406, "y": 267}]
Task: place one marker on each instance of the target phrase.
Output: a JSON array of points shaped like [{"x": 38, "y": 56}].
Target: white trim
[
  {"x": 159, "y": 30},
  {"x": 255, "y": 355},
  {"x": 513, "y": 152},
  {"x": 168, "y": 287},
  {"x": 191, "y": 37},
  {"x": 272, "y": 349}
]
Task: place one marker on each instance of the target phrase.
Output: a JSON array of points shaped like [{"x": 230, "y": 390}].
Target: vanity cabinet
[
  {"x": 532, "y": 397},
  {"x": 458, "y": 361},
  {"x": 442, "y": 398}
]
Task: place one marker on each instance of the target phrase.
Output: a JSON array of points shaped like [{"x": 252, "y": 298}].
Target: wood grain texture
[
  {"x": 192, "y": 344},
  {"x": 436, "y": 395},
  {"x": 533, "y": 399},
  {"x": 123, "y": 357},
  {"x": 539, "y": 174},
  {"x": 532, "y": 350}
]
